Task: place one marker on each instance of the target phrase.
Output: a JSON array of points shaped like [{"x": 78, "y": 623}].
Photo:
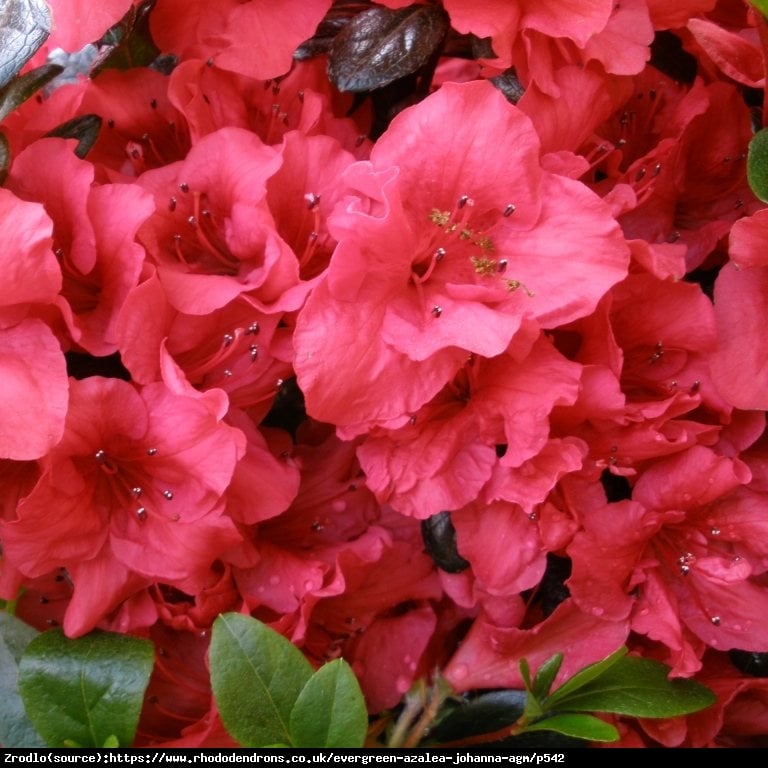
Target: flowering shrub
[{"x": 430, "y": 336}]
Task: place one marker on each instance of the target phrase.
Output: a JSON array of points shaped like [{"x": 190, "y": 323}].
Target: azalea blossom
[
  {"x": 442, "y": 253},
  {"x": 131, "y": 495}
]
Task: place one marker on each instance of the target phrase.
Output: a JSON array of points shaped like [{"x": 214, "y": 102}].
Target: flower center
[
  {"x": 200, "y": 248},
  {"x": 470, "y": 252},
  {"x": 125, "y": 478}
]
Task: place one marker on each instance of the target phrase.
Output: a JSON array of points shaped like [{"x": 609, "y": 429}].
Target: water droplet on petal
[
  {"x": 308, "y": 585},
  {"x": 274, "y": 580},
  {"x": 460, "y": 671},
  {"x": 339, "y": 505}
]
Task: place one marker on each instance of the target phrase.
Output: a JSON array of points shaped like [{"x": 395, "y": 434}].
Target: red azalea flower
[
  {"x": 686, "y": 542},
  {"x": 213, "y": 236},
  {"x": 489, "y": 655},
  {"x": 444, "y": 252},
  {"x": 33, "y": 374},
  {"x": 140, "y": 128},
  {"x": 79, "y": 22},
  {"x": 130, "y": 495},
  {"x": 93, "y": 236},
  {"x": 444, "y": 457},
  {"x": 739, "y": 365},
  {"x": 237, "y": 355},
  {"x": 303, "y": 100},
  {"x": 255, "y": 38},
  {"x": 681, "y": 155}
]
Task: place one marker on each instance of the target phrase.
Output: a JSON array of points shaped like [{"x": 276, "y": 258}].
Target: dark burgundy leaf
[
  {"x": 379, "y": 46},
  {"x": 440, "y": 540},
  {"x": 751, "y": 663},
  {"x": 84, "y": 128},
  {"x": 335, "y": 20},
  {"x": 509, "y": 85},
  {"x": 13, "y": 95},
  {"x": 5, "y": 158}
]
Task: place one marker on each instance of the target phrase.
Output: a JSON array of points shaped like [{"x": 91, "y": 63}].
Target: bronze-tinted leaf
[
  {"x": 440, "y": 540},
  {"x": 24, "y": 27},
  {"x": 379, "y": 46},
  {"x": 508, "y": 83},
  {"x": 84, "y": 128},
  {"x": 15, "y": 93},
  {"x": 5, "y": 159},
  {"x": 335, "y": 20}
]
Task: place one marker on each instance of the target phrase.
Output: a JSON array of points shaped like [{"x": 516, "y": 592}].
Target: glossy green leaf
[
  {"x": 581, "y": 726},
  {"x": 640, "y": 688},
  {"x": 330, "y": 710},
  {"x": 256, "y": 675},
  {"x": 533, "y": 708},
  {"x": 24, "y": 27},
  {"x": 16, "y": 730},
  {"x": 13, "y": 95},
  {"x": 546, "y": 674},
  {"x": 484, "y": 713},
  {"x": 757, "y": 164},
  {"x": 582, "y": 677},
  {"x": 85, "y": 690}
]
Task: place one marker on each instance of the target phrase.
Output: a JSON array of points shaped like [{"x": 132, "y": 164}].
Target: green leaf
[
  {"x": 640, "y": 688},
  {"x": 16, "y": 730},
  {"x": 761, "y": 5},
  {"x": 13, "y": 95},
  {"x": 546, "y": 674},
  {"x": 256, "y": 675},
  {"x": 85, "y": 690},
  {"x": 330, "y": 710},
  {"x": 582, "y": 677},
  {"x": 757, "y": 163},
  {"x": 484, "y": 713},
  {"x": 581, "y": 726},
  {"x": 24, "y": 27}
]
